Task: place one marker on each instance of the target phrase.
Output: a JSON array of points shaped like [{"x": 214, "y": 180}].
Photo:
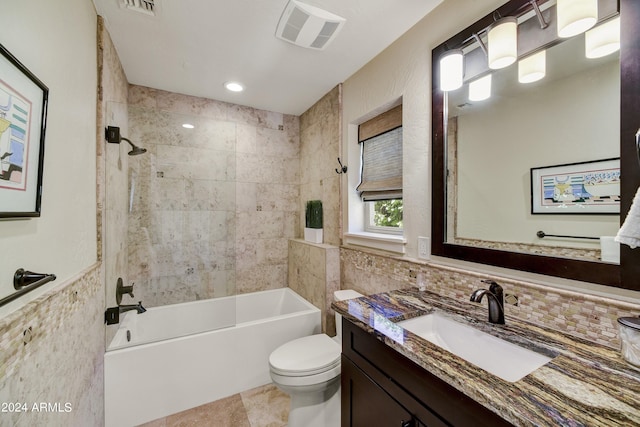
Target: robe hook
[{"x": 343, "y": 169}]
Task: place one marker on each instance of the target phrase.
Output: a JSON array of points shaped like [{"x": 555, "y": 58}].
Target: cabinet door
[{"x": 365, "y": 404}]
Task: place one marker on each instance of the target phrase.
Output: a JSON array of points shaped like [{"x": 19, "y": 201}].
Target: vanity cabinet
[
  {"x": 382, "y": 387},
  {"x": 370, "y": 404}
]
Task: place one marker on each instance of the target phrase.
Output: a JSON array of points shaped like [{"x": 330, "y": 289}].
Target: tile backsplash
[{"x": 585, "y": 316}]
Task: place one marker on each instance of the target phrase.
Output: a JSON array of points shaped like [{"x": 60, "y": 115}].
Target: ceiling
[{"x": 194, "y": 46}]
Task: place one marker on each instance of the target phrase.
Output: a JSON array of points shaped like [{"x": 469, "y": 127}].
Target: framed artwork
[
  {"x": 577, "y": 188},
  {"x": 23, "y": 116}
]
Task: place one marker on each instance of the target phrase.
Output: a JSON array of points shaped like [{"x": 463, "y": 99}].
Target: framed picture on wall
[
  {"x": 23, "y": 117},
  {"x": 577, "y": 188}
]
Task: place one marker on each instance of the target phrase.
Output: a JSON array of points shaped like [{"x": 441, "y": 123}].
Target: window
[
  {"x": 384, "y": 216},
  {"x": 381, "y": 171}
]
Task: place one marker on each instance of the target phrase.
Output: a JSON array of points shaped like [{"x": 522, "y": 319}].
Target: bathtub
[{"x": 184, "y": 355}]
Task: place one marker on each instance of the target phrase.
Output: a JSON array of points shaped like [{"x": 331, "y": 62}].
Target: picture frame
[
  {"x": 23, "y": 118},
  {"x": 591, "y": 187}
]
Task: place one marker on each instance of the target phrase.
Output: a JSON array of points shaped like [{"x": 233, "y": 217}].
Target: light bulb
[
  {"x": 603, "y": 39},
  {"x": 480, "y": 89},
  {"x": 533, "y": 67},
  {"x": 502, "y": 40},
  {"x": 451, "y": 70},
  {"x": 576, "y": 16},
  {"x": 234, "y": 86}
]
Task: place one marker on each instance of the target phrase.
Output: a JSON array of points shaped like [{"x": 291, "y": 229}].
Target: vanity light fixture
[
  {"x": 451, "y": 70},
  {"x": 543, "y": 24},
  {"x": 480, "y": 43},
  {"x": 533, "y": 67},
  {"x": 188, "y": 126},
  {"x": 576, "y": 16},
  {"x": 480, "y": 89},
  {"x": 503, "y": 43},
  {"x": 234, "y": 86},
  {"x": 603, "y": 39}
]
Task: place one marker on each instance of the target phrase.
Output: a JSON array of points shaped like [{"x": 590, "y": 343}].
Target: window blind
[
  {"x": 381, "y": 177},
  {"x": 381, "y": 151}
]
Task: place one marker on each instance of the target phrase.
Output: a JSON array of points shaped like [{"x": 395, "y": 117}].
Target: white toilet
[{"x": 308, "y": 369}]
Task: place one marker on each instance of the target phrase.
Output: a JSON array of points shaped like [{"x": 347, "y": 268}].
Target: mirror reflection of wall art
[
  {"x": 577, "y": 188},
  {"x": 23, "y": 116}
]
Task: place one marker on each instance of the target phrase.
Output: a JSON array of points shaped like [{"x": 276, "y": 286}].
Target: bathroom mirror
[{"x": 464, "y": 226}]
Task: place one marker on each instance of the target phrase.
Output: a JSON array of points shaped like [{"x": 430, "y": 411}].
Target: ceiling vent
[
  {"x": 308, "y": 26},
  {"x": 147, "y": 7}
]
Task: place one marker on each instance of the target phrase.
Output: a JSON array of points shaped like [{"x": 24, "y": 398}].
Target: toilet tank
[{"x": 343, "y": 295}]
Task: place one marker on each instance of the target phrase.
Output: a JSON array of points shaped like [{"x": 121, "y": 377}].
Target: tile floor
[{"x": 264, "y": 406}]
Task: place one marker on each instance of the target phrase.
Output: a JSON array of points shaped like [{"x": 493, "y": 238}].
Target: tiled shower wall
[
  {"x": 584, "y": 316},
  {"x": 314, "y": 273},
  {"x": 314, "y": 269},
  {"x": 319, "y": 152},
  {"x": 211, "y": 208},
  {"x": 111, "y": 168}
]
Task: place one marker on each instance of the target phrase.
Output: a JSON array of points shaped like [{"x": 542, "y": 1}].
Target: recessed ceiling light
[
  {"x": 188, "y": 126},
  {"x": 234, "y": 86}
]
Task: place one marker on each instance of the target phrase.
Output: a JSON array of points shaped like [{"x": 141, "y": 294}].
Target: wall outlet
[{"x": 423, "y": 248}]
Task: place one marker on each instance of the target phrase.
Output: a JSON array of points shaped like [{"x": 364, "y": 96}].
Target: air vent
[
  {"x": 308, "y": 26},
  {"x": 147, "y": 7}
]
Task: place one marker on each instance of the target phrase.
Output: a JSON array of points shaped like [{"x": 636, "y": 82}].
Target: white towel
[{"x": 629, "y": 233}]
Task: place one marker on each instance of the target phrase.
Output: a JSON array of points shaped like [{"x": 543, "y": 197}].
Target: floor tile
[
  {"x": 266, "y": 406},
  {"x": 222, "y": 413}
]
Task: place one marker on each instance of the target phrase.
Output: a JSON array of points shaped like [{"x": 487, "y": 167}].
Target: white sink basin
[{"x": 502, "y": 358}]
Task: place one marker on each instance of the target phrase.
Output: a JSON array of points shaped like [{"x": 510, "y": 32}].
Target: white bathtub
[{"x": 171, "y": 365}]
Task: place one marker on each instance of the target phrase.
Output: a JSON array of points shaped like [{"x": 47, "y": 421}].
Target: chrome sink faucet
[{"x": 495, "y": 298}]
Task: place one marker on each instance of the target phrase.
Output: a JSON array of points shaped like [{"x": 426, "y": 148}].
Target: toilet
[{"x": 308, "y": 369}]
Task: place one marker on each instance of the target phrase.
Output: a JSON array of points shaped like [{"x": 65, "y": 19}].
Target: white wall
[
  {"x": 404, "y": 71},
  {"x": 56, "y": 41}
]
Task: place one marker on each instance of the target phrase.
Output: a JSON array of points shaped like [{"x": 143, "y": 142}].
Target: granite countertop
[{"x": 585, "y": 384}]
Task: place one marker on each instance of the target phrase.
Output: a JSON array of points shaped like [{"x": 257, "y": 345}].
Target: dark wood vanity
[
  {"x": 393, "y": 377},
  {"x": 381, "y": 387}
]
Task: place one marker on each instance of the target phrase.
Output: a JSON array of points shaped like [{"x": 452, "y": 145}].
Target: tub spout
[
  {"x": 112, "y": 314},
  {"x": 129, "y": 307}
]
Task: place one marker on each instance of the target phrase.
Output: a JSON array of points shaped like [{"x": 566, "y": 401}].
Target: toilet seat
[
  {"x": 307, "y": 382},
  {"x": 306, "y": 356}
]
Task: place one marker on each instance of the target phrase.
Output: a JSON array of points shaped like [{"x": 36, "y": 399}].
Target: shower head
[
  {"x": 112, "y": 133},
  {"x": 135, "y": 150}
]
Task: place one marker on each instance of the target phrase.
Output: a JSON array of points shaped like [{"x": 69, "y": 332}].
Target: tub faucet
[
  {"x": 129, "y": 307},
  {"x": 496, "y": 301},
  {"x": 121, "y": 290},
  {"x": 112, "y": 314}
]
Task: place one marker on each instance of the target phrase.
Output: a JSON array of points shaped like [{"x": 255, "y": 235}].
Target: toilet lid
[{"x": 305, "y": 356}]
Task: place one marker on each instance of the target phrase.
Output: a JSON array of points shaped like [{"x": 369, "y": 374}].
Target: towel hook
[{"x": 343, "y": 169}]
